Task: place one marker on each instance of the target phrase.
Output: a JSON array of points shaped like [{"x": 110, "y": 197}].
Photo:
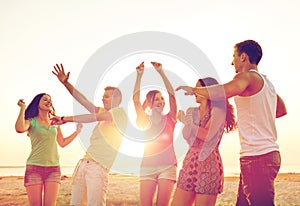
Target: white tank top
[{"x": 256, "y": 120}]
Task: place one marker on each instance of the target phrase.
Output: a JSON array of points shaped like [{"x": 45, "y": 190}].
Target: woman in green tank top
[{"x": 42, "y": 175}]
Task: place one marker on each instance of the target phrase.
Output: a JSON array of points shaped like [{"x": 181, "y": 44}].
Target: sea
[{"x": 68, "y": 170}]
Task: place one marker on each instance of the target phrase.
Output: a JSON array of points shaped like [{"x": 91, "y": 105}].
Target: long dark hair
[
  {"x": 33, "y": 108},
  {"x": 230, "y": 123}
]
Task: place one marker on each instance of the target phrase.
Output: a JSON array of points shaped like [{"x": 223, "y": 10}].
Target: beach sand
[{"x": 124, "y": 191}]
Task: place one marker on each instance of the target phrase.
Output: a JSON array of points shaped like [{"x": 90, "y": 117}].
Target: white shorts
[
  {"x": 90, "y": 182},
  {"x": 162, "y": 172}
]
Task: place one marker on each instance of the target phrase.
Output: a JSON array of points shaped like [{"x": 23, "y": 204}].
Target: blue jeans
[{"x": 256, "y": 185}]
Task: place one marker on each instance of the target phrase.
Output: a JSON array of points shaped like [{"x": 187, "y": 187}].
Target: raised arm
[
  {"x": 59, "y": 72},
  {"x": 170, "y": 89},
  {"x": 142, "y": 118},
  {"x": 22, "y": 125}
]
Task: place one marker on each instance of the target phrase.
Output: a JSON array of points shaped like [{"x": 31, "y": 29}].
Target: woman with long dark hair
[
  {"x": 42, "y": 175},
  {"x": 201, "y": 177}
]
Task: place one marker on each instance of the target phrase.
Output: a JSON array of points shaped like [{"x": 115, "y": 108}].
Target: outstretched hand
[
  {"x": 59, "y": 72},
  {"x": 140, "y": 68},
  {"x": 157, "y": 66},
  {"x": 188, "y": 90}
]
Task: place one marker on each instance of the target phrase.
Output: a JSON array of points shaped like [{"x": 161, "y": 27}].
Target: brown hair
[
  {"x": 150, "y": 96},
  {"x": 230, "y": 123},
  {"x": 252, "y": 49}
]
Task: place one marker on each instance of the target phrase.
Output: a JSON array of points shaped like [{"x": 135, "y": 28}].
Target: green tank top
[{"x": 43, "y": 145}]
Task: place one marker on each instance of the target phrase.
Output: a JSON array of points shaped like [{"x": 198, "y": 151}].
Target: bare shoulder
[
  {"x": 247, "y": 76},
  {"x": 252, "y": 81}
]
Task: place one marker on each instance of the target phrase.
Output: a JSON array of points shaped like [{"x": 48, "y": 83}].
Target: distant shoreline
[
  {"x": 124, "y": 190},
  {"x": 281, "y": 177}
]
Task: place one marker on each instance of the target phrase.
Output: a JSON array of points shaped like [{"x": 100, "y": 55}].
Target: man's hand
[
  {"x": 56, "y": 120},
  {"x": 59, "y": 72},
  {"x": 188, "y": 90}
]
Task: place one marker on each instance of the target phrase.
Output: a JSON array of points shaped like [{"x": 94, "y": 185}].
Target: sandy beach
[{"x": 124, "y": 191}]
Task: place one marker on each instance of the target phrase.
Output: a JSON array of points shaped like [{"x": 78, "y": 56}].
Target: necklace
[{"x": 198, "y": 120}]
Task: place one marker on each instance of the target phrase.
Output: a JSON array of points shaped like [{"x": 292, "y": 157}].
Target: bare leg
[
  {"x": 183, "y": 198},
  {"x": 34, "y": 193},
  {"x": 147, "y": 190},
  {"x": 50, "y": 193},
  {"x": 165, "y": 188},
  {"x": 207, "y": 200}
]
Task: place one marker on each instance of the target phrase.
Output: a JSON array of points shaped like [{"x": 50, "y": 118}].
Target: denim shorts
[{"x": 35, "y": 174}]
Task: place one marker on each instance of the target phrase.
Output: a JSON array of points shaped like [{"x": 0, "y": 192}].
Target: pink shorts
[{"x": 35, "y": 174}]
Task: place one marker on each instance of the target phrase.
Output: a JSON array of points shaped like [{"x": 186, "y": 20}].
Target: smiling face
[
  {"x": 45, "y": 103},
  {"x": 158, "y": 102},
  {"x": 112, "y": 97}
]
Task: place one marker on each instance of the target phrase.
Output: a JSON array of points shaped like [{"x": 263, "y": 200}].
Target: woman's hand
[
  {"x": 79, "y": 127},
  {"x": 180, "y": 115},
  {"x": 140, "y": 68},
  {"x": 187, "y": 119},
  {"x": 157, "y": 66},
  {"x": 21, "y": 103}
]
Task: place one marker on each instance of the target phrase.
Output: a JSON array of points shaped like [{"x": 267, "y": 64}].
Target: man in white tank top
[{"x": 257, "y": 105}]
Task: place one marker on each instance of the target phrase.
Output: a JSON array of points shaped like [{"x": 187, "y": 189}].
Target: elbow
[
  {"x": 61, "y": 142},
  {"x": 62, "y": 145},
  {"x": 19, "y": 130}
]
